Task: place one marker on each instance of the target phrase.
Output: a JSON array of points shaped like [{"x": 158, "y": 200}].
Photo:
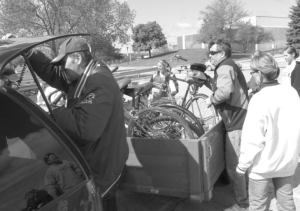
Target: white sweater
[
  {"x": 271, "y": 133},
  {"x": 286, "y": 74}
]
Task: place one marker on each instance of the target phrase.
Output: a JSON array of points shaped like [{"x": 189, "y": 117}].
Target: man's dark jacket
[
  {"x": 94, "y": 117},
  {"x": 295, "y": 77}
]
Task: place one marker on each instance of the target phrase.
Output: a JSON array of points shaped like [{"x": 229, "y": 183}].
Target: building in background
[{"x": 277, "y": 25}]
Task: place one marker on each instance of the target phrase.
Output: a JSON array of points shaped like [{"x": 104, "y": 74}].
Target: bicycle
[
  {"x": 152, "y": 122},
  {"x": 141, "y": 102},
  {"x": 196, "y": 103}
]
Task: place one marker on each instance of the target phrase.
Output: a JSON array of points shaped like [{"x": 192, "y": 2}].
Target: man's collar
[
  {"x": 269, "y": 83},
  {"x": 217, "y": 65}
]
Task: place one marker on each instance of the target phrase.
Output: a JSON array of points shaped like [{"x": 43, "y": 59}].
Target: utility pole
[{"x": 127, "y": 56}]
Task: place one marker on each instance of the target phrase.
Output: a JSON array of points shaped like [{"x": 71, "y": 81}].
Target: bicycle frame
[{"x": 188, "y": 90}]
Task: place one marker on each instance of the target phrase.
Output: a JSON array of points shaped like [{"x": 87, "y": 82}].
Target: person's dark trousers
[
  {"x": 110, "y": 204},
  {"x": 232, "y": 153}
]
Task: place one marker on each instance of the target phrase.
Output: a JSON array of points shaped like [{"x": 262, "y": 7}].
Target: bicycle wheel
[
  {"x": 206, "y": 115},
  {"x": 159, "y": 123},
  {"x": 163, "y": 100},
  {"x": 191, "y": 119},
  {"x": 127, "y": 117}
]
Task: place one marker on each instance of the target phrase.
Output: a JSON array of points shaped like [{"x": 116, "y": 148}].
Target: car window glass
[{"x": 34, "y": 167}]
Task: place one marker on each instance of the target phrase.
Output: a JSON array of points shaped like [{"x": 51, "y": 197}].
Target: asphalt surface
[{"x": 222, "y": 194}]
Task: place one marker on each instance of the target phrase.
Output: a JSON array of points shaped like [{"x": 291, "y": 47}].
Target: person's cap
[
  {"x": 9, "y": 74},
  {"x": 198, "y": 67},
  {"x": 71, "y": 45}
]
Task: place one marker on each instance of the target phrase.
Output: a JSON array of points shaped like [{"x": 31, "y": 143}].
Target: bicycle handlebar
[
  {"x": 180, "y": 57},
  {"x": 192, "y": 81}
]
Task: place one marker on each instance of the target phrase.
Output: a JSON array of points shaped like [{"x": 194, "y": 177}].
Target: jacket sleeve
[
  {"x": 51, "y": 74},
  {"x": 295, "y": 78},
  {"x": 225, "y": 85},
  {"x": 86, "y": 121},
  {"x": 74, "y": 166},
  {"x": 253, "y": 134},
  {"x": 51, "y": 183}
]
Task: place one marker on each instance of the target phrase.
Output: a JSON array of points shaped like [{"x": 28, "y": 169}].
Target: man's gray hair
[{"x": 86, "y": 56}]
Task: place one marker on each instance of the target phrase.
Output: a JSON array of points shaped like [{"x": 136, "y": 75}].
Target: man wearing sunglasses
[{"x": 230, "y": 98}]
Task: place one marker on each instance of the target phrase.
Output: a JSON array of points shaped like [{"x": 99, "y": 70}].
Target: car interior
[{"x": 24, "y": 142}]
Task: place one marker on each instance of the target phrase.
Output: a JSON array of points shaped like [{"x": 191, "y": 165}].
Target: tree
[
  {"x": 293, "y": 33},
  {"x": 106, "y": 20},
  {"x": 220, "y": 19},
  {"x": 109, "y": 53},
  {"x": 248, "y": 35},
  {"x": 147, "y": 37}
]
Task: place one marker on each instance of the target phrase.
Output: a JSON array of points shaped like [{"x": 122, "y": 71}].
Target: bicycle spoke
[{"x": 157, "y": 125}]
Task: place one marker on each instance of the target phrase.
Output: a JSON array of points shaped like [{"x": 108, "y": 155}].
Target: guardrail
[{"x": 275, "y": 51}]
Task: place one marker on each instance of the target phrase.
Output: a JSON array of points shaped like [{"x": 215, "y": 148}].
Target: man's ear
[
  {"x": 223, "y": 54},
  {"x": 78, "y": 59}
]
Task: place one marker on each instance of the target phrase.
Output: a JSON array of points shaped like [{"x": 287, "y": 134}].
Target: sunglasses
[{"x": 214, "y": 52}]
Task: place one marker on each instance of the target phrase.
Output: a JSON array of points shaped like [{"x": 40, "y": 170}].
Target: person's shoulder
[
  {"x": 225, "y": 69},
  {"x": 297, "y": 64},
  {"x": 289, "y": 89},
  {"x": 100, "y": 80}
]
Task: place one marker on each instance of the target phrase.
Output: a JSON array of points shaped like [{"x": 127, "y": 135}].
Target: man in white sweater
[{"x": 270, "y": 143}]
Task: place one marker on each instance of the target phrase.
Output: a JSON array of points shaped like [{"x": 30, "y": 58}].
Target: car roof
[{"x": 14, "y": 47}]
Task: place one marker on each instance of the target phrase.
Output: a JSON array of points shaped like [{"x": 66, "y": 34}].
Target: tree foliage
[
  {"x": 220, "y": 19},
  {"x": 107, "y": 20},
  {"x": 147, "y": 37},
  {"x": 293, "y": 33},
  {"x": 248, "y": 35}
]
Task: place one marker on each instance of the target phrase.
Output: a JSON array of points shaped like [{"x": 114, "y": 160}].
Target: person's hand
[
  {"x": 174, "y": 93},
  {"x": 209, "y": 66},
  {"x": 249, "y": 91},
  {"x": 208, "y": 102},
  {"x": 164, "y": 86},
  {"x": 239, "y": 171},
  {"x": 40, "y": 205},
  {"x": 78, "y": 171}
]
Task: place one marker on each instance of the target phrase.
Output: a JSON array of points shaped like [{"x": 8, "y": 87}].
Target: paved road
[{"x": 222, "y": 194}]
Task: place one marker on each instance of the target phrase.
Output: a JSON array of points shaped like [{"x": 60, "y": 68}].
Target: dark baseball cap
[
  {"x": 198, "y": 67},
  {"x": 71, "y": 45},
  {"x": 9, "y": 74}
]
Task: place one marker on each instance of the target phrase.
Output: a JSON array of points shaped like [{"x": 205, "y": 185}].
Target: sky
[{"x": 182, "y": 17}]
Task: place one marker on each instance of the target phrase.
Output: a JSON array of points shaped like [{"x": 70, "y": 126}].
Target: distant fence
[{"x": 275, "y": 51}]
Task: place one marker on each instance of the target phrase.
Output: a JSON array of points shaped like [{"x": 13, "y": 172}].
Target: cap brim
[
  {"x": 13, "y": 77},
  {"x": 57, "y": 60}
]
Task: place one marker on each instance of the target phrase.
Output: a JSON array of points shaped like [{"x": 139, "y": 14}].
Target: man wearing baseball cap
[{"x": 93, "y": 116}]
